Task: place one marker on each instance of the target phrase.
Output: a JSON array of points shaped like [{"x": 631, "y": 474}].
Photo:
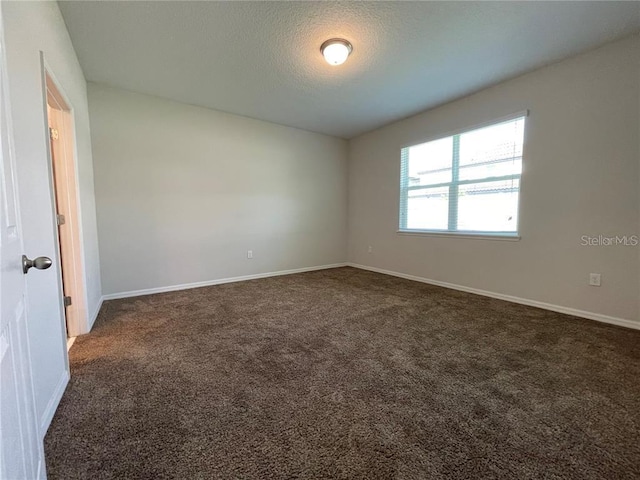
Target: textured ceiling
[{"x": 262, "y": 59}]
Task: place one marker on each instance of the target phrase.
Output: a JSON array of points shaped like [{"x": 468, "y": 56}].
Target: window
[{"x": 467, "y": 183}]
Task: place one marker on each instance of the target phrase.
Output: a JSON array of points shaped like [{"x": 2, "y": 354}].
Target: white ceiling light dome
[{"x": 336, "y": 51}]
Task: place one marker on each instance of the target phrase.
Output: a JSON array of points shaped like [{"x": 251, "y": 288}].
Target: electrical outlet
[
  {"x": 249, "y": 253},
  {"x": 370, "y": 249},
  {"x": 594, "y": 279}
]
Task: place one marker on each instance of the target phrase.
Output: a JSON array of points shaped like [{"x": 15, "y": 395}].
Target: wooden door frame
[{"x": 63, "y": 170}]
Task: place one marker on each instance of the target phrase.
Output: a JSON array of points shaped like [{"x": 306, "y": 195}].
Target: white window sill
[{"x": 476, "y": 236}]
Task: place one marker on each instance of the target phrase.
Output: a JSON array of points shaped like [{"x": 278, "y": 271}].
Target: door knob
[{"x": 41, "y": 263}]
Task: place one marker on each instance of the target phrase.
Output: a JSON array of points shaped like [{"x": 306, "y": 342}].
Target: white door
[
  {"x": 21, "y": 450},
  {"x": 45, "y": 311}
]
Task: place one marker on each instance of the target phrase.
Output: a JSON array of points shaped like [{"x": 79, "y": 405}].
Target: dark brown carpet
[{"x": 346, "y": 374}]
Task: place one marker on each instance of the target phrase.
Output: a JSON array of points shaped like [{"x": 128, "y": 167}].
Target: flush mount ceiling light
[{"x": 336, "y": 51}]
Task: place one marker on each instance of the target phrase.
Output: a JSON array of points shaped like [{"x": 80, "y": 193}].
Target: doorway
[{"x": 63, "y": 161}]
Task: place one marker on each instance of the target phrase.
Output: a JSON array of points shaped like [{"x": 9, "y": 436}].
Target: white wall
[
  {"x": 31, "y": 27},
  {"x": 580, "y": 177},
  {"x": 183, "y": 192}
]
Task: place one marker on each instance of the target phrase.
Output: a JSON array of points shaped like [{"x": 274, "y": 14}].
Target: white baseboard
[
  {"x": 42, "y": 475},
  {"x": 186, "y": 286},
  {"x": 50, "y": 410},
  {"x": 509, "y": 298}
]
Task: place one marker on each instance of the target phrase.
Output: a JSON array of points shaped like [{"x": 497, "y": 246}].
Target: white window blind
[{"x": 464, "y": 183}]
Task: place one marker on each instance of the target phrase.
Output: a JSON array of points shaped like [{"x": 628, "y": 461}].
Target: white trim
[
  {"x": 54, "y": 401},
  {"x": 207, "y": 283},
  {"x": 92, "y": 319},
  {"x": 475, "y": 236},
  {"x": 76, "y": 317},
  {"x": 41, "y": 471},
  {"x": 54, "y": 226},
  {"x": 509, "y": 298}
]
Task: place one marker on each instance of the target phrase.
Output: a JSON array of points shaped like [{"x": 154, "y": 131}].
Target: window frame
[{"x": 455, "y": 183}]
